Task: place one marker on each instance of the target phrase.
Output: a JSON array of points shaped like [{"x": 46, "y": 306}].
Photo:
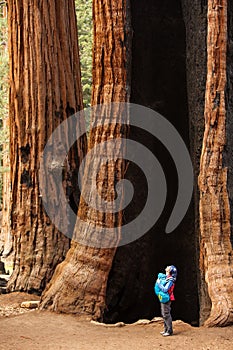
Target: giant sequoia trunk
[
  {"x": 45, "y": 89},
  {"x": 215, "y": 227},
  {"x": 79, "y": 283}
]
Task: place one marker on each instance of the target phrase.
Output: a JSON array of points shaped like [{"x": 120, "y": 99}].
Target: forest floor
[{"x": 24, "y": 329}]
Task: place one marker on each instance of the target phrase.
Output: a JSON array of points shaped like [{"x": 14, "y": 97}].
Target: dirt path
[{"x": 50, "y": 331}]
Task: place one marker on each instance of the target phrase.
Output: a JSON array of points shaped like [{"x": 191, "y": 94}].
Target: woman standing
[{"x": 168, "y": 287}]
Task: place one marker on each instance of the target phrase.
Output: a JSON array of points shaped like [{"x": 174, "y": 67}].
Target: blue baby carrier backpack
[{"x": 163, "y": 297}]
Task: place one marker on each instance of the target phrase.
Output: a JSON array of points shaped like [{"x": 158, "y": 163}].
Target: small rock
[
  {"x": 157, "y": 319},
  {"x": 119, "y": 324},
  {"x": 142, "y": 321},
  {"x": 32, "y": 304}
]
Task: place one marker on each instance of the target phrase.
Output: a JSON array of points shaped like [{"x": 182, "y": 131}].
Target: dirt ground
[{"x": 24, "y": 329}]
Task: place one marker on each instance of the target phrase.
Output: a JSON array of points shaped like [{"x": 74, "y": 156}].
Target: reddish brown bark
[
  {"x": 45, "y": 89},
  {"x": 215, "y": 246},
  {"x": 79, "y": 283}
]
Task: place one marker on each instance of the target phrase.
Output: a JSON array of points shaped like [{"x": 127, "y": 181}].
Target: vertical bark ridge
[{"x": 215, "y": 245}]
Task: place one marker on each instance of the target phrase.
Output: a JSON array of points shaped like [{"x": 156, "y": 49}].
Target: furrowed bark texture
[
  {"x": 79, "y": 283},
  {"x": 45, "y": 89},
  {"x": 215, "y": 245}
]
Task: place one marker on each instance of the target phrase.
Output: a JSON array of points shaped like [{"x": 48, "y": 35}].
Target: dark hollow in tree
[{"x": 168, "y": 55}]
